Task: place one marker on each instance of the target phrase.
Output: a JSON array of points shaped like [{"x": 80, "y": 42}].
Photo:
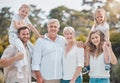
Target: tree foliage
[{"x": 5, "y": 19}]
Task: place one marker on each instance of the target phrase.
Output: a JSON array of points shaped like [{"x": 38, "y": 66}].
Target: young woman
[{"x": 98, "y": 48}]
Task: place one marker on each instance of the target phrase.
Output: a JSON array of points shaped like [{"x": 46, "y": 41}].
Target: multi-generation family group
[{"x": 55, "y": 58}]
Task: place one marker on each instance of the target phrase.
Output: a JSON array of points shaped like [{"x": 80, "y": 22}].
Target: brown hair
[
  {"x": 91, "y": 47},
  {"x": 22, "y": 28}
]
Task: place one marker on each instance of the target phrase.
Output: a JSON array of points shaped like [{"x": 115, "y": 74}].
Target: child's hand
[
  {"x": 21, "y": 23},
  {"x": 105, "y": 44},
  {"x": 19, "y": 56},
  {"x": 108, "y": 43},
  {"x": 80, "y": 44},
  {"x": 85, "y": 45}
]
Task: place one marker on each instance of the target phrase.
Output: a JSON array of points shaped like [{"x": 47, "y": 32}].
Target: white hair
[
  {"x": 69, "y": 28},
  {"x": 53, "y": 21}
]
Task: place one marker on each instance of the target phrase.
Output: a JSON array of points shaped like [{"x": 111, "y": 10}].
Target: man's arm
[
  {"x": 39, "y": 77},
  {"x": 9, "y": 56},
  {"x": 5, "y": 62}
]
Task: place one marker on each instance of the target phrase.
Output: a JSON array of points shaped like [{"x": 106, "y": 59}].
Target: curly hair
[{"x": 96, "y": 51}]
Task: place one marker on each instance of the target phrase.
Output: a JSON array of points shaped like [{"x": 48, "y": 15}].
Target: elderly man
[
  {"x": 47, "y": 55},
  {"x": 10, "y": 72}
]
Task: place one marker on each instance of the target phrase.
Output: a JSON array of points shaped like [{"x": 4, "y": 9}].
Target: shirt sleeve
[
  {"x": 80, "y": 55},
  {"x": 106, "y": 27},
  {"x": 8, "y": 52},
  {"x": 15, "y": 17},
  {"x": 36, "y": 58}
]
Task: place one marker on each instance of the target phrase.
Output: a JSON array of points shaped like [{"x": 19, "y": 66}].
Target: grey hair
[
  {"x": 53, "y": 21},
  {"x": 69, "y": 28}
]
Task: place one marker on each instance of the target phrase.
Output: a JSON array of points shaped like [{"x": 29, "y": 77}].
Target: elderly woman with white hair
[{"x": 73, "y": 59}]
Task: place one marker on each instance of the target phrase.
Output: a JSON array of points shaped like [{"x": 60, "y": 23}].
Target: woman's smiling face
[{"x": 95, "y": 39}]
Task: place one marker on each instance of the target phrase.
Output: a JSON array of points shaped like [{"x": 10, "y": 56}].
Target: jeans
[
  {"x": 78, "y": 80},
  {"x": 99, "y": 80}
]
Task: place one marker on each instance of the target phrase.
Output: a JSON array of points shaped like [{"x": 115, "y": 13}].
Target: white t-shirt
[
  {"x": 16, "y": 17},
  {"x": 97, "y": 67},
  {"x": 102, "y": 28}
]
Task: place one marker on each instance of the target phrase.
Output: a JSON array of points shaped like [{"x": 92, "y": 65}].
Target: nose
[
  {"x": 25, "y": 35},
  {"x": 24, "y": 13}
]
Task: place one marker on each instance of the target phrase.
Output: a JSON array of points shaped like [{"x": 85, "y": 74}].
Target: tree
[
  {"x": 5, "y": 19},
  {"x": 113, "y": 11},
  {"x": 35, "y": 18},
  {"x": 70, "y": 17},
  {"x": 60, "y": 14}
]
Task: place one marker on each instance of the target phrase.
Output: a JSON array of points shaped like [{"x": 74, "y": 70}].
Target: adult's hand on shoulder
[{"x": 80, "y": 44}]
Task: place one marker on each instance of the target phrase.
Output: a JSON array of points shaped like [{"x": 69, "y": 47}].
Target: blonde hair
[
  {"x": 97, "y": 11},
  {"x": 53, "y": 21},
  {"x": 69, "y": 28},
  {"x": 24, "y": 6}
]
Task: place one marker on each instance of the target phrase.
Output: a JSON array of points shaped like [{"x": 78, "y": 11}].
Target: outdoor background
[{"x": 75, "y": 13}]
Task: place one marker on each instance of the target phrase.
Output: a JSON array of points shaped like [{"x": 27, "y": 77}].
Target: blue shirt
[{"x": 47, "y": 57}]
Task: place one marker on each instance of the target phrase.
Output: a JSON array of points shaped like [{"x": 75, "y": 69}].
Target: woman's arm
[
  {"x": 76, "y": 74},
  {"x": 109, "y": 54},
  {"x": 113, "y": 57},
  {"x": 86, "y": 56},
  {"x": 106, "y": 53}
]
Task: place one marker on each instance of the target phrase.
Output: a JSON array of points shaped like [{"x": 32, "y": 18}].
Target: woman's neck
[{"x": 71, "y": 42}]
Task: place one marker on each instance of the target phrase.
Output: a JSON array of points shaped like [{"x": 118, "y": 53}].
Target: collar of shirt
[{"x": 46, "y": 37}]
